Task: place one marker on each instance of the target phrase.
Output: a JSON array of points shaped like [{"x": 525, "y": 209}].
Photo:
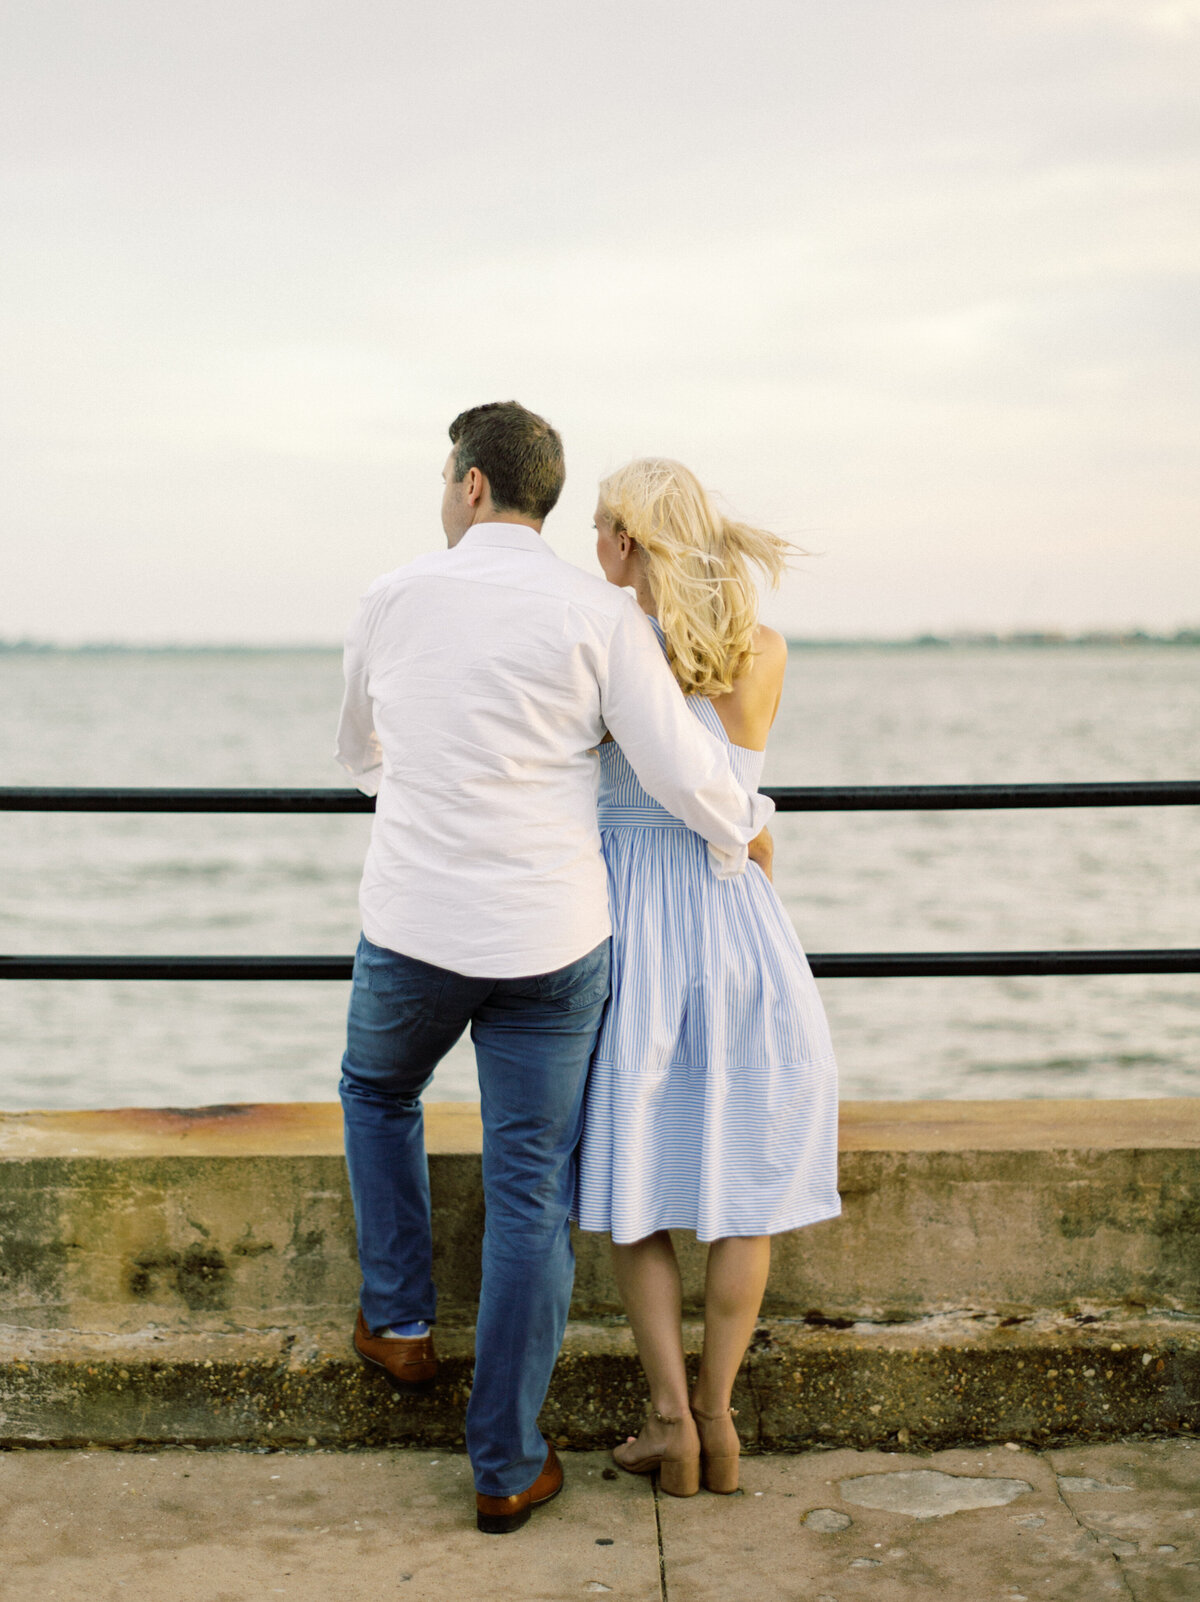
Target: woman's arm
[{"x": 762, "y": 850}]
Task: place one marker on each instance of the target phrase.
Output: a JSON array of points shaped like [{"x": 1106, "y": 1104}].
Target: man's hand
[{"x": 762, "y": 850}]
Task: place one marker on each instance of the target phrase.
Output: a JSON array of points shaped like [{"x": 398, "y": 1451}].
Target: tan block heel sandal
[
  {"x": 720, "y": 1449},
  {"x": 678, "y": 1467}
]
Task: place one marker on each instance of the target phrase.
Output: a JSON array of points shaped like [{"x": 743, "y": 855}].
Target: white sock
[{"x": 405, "y": 1332}]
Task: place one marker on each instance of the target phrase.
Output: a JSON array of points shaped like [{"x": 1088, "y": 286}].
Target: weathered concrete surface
[
  {"x": 949, "y": 1380},
  {"x": 1003, "y": 1206},
  {"x": 203, "y": 1217},
  {"x": 1040, "y": 1545},
  {"x": 208, "y": 1217},
  {"x": 935, "y": 1383},
  {"x": 1143, "y": 1503},
  {"x": 238, "y": 1527}
]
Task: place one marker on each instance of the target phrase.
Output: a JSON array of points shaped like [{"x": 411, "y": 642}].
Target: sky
[{"x": 915, "y": 283}]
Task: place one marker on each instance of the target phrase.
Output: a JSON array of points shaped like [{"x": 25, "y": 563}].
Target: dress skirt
[{"x": 712, "y": 1097}]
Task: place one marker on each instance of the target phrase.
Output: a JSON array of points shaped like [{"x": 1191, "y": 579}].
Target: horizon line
[{"x": 921, "y": 639}]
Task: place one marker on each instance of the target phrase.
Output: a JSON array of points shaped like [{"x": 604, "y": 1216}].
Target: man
[{"x": 479, "y": 681}]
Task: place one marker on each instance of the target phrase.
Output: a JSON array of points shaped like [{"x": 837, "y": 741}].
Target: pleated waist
[{"x": 611, "y": 817}]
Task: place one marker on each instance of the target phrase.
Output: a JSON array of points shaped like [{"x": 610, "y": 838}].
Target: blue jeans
[{"x": 533, "y": 1040}]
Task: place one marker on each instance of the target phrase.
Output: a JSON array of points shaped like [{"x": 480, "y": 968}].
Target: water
[{"x": 887, "y": 881}]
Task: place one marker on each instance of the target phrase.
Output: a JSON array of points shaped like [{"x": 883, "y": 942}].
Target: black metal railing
[{"x": 787, "y": 798}]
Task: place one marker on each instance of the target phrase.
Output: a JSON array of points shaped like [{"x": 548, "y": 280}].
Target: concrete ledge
[
  {"x": 202, "y": 1217},
  {"x": 190, "y": 1275},
  {"x": 930, "y": 1384}
]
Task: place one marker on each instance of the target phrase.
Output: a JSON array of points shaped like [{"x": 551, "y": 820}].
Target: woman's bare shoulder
[
  {"x": 770, "y": 655},
  {"x": 749, "y": 709},
  {"x": 769, "y": 643}
]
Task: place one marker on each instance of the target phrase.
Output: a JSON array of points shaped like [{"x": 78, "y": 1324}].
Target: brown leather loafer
[
  {"x": 500, "y": 1515},
  {"x": 407, "y": 1363}
]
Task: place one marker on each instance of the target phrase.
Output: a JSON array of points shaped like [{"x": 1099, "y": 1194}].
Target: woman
[{"x": 712, "y": 1099}]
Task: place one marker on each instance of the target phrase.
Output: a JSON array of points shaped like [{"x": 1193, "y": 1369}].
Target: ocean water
[{"x": 888, "y": 881}]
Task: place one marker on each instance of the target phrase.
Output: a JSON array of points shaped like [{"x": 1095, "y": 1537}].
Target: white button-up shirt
[{"x": 479, "y": 681}]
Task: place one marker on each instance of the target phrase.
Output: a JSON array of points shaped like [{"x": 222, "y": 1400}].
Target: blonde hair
[{"x": 698, "y": 567}]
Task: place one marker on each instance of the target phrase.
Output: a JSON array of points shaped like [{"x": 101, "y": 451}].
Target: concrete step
[{"x": 934, "y": 1382}]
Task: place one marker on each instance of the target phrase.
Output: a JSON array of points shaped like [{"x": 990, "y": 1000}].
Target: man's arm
[
  {"x": 357, "y": 747},
  {"x": 676, "y": 759}
]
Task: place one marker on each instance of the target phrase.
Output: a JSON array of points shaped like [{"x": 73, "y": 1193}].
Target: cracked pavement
[{"x": 982, "y": 1524}]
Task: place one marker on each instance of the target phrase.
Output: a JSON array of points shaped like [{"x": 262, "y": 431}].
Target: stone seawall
[{"x": 1001, "y": 1270}]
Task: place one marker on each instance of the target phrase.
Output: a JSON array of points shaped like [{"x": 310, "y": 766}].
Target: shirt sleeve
[
  {"x": 676, "y": 759},
  {"x": 357, "y": 747}
]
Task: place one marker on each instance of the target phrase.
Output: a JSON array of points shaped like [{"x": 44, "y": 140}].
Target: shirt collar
[{"x": 507, "y": 536}]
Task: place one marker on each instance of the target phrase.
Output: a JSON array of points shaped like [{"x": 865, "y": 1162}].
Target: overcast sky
[{"x": 912, "y": 281}]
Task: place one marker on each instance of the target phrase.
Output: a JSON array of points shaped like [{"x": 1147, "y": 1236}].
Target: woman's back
[
  {"x": 622, "y": 800},
  {"x": 749, "y": 709}
]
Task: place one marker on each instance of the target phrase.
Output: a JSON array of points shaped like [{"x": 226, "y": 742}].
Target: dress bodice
[{"x": 622, "y": 799}]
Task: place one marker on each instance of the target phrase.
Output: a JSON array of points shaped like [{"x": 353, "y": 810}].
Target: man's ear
[{"x": 475, "y": 486}]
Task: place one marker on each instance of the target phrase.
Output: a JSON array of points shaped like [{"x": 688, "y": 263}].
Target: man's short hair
[{"x": 518, "y": 453}]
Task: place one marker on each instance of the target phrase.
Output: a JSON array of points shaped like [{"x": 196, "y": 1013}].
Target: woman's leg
[
  {"x": 733, "y": 1293},
  {"x": 647, "y": 1277}
]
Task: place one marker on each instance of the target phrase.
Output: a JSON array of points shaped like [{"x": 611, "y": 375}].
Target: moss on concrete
[{"x": 932, "y": 1384}]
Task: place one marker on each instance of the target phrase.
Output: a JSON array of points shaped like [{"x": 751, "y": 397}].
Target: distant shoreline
[{"x": 1020, "y": 639}]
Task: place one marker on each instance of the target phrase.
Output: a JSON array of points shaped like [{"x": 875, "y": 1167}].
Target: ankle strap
[{"x": 713, "y": 1418}]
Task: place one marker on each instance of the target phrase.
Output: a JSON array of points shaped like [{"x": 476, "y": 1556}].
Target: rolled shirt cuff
[
  {"x": 368, "y": 782},
  {"x": 728, "y": 863}
]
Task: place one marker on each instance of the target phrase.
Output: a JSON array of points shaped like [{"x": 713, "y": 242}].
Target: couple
[{"x": 488, "y": 688}]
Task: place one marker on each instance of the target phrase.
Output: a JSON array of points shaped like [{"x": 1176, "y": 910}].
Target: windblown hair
[{"x": 699, "y": 566}]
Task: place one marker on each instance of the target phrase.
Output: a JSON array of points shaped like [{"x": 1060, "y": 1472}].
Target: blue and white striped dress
[{"x": 712, "y": 1097}]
